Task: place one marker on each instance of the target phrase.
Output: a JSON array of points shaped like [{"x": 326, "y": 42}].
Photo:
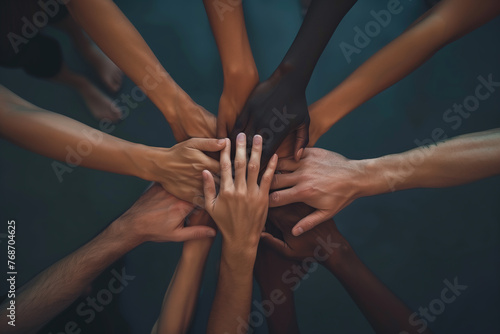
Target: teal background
[{"x": 412, "y": 240}]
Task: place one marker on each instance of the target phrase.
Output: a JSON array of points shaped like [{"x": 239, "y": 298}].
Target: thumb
[
  {"x": 195, "y": 232},
  {"x": 309, "y": 222},
  {"x": 207, "y": 144},
  {"x": 302, "y": 140},
  {"x": 274, "y": 243}
]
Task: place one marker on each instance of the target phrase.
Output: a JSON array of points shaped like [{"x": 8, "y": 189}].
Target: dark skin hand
[{"x": 277, "y": 107}]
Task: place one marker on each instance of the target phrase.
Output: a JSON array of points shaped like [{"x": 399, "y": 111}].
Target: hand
[
  {"x": 240, "y": 208},
  {"x": 158, "y": 216},
  {"x": 274, "y": 110},
  {"x": 322, "y": 243},
  {"x": 237, "y": 88},
  {"x": 178, "y": 169},
  {"x": 324, "y": 180},
  {"x": 192, "y": 120}
]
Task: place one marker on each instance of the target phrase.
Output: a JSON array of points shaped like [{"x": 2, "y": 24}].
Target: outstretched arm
[
  {"x": 62, "y": 138},
  {"x": 156, "y": 216},
  {"x": 117, "y": 37},
  {"x": 238, "y": 66},
  {"x": 277, "y": 106},
  {"x": 180, "y": 299},
  {"x": 385, "y": 312},
  {"x": 446, "y": 22},
  {"x": 240, "y": 211},
  {"x": 329, "y": 182}
]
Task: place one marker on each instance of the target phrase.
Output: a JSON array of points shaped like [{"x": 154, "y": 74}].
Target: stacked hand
[{"x": 274, "y": 110}]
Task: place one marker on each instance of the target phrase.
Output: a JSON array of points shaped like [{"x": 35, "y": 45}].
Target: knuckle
[
  {"x": 238, "y": 164},
  {"x": 226, "y": 165},
  {"x": 252, "y": 166}
]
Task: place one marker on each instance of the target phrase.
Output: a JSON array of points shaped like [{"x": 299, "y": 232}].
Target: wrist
[
  {"x": 241, "y": 72},
  {"x": 121, "y": 232},
  {"x": 146, "y": 159},
  {"x": 238, "y": 256},
  {"x": 382, "y": 175}
]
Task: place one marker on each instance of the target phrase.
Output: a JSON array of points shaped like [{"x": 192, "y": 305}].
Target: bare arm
[
  {"x": 385, "y": 311},
  {"x": 329, "y": 182},
  {"x": 448, "y": 21},
  {"x": 238, "y": 66},
  {"x": 180, "y": 299},
  {"x": 156, "y": 216},
  {"x": 64, "y": 139},
  {"x": 117, "y": 37},
  {"x": 240, "y": 211}
]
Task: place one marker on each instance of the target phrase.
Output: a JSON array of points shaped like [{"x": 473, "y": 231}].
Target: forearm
[
  {"x": 180, "y": 299},
  {"x": 228, "y": 26},
  {"x": 283, "y": 318},
  {"x": 384, "y": 311},
  {"x": 453, "y": 162},
  {"x": 62, "y": 138},
  {"x": 449, "y": 21},
  {"x": 122, "y": 43},
  {"x": 232, "y": 301},
  {"x": 54, "y": 289},
  {"x": 321, "y": 20}
]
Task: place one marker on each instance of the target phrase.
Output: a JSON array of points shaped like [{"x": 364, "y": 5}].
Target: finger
[
  {"x": 209, "y": 190},
  {"x": 240, "y": 162},
  {"x": 301, "y": 141},
  {"x": 207, "y": 144},
  {"x": 225, "y": 166},
  {"x": 276, "y": 244},
  {"x": 281, "y": 181},
  {"x": 194, "y": 232},
  {"x": 210, "y": 164},
  {"x": 309, "y": 222},
  {"x": 284, "y": 197},
  {"x": 288, "y": 165},
  {"x": 254, "y": 162},
  {"x": 267, "y": 177},
  {"x": 221, "y": 127}
]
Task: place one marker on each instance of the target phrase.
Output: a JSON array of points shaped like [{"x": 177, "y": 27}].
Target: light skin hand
[
  {"x": 240, "y": 211},
  {"x": 159, "y": 216},
  {"x": 322, "y": 179},
  {"x": 240, "y": 208},
  {"x": 178, "y": 169}
]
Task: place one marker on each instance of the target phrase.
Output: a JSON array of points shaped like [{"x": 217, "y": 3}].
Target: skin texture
[
  {"x": 177, "y": 168},
  {"x": 121, "y": 42},
  {"x": 277, "y": 106},
  {"x": 239, "y": 210},
  {"x": 180, "y": 299},
  {"x": 385, "y": 312},
  {"x": 446, "y": 22},
  {"x": 156, "y": 216},
  {"x": 238, "y": 66},
  {"x": 329, "y": 182}
]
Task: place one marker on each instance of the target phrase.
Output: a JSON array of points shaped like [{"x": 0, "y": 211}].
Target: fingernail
[
  {"x": 299, "y": 153},
  {"x": 211, "y": 233},
  {"x": 204, "y": 174},
  {"x": 257, "y": 140},
  {"x": 240, "y": 138},
  {"x": 298, "y": 231},
  {"x": 221, "y": 141}
]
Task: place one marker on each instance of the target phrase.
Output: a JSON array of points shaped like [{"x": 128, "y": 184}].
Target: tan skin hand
[
  {"x": 193, "y": 121},
  {"x": 178, "y": 169},
  {"x": 233, "y": 98},
  {"x": 324, "y": 180},
  {"x": 159, "y": 216},
  {"x": 240, "y": 208}
]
